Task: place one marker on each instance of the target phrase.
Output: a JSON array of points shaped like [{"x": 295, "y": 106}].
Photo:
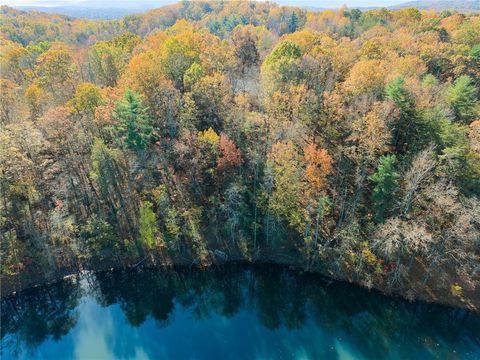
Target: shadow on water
[{"x": 283, "y": 309}]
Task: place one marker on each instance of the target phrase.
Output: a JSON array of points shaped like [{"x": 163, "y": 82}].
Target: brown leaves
[
  {"x": 370, "y": 133},
  {"x": 230, "y": 155},
  {"x": 244, "y": 40},
  {"x": 319, "y": 166}
]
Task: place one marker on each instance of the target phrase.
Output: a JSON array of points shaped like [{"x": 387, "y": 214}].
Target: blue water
[{"x": 233, "y": 312}]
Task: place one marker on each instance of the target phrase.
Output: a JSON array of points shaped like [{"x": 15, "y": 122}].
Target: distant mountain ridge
[
  {"x": 104, "y": 10},
  {"x": 84, "y": 12},
  {"x": 107, "y": 10},
  {"x": 439, "y": 5}
]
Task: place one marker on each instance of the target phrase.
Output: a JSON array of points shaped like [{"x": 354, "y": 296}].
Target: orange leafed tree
[
  {"x": 230, "y": 155},
  {"x": 319, "y": 166}
]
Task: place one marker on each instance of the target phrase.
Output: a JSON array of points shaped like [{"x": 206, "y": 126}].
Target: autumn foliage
[{"x": 345, "y": 140}]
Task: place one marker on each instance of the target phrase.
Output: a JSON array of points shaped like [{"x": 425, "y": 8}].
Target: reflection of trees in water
[
  {"x": 40, "y": 313},
  {"x": 140, "y": 295},
  {"x": 282, "y": 298},
  {"x": 278, "y": 298},
  {"x": 374, "y": 324}
]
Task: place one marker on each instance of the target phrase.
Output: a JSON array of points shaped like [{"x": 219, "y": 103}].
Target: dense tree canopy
[{"x": 345, "y": 140}]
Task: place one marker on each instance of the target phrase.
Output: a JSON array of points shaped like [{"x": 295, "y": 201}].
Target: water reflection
[
  {"x": 39, "y": 314},
  {"x": 234, "y": 312}
]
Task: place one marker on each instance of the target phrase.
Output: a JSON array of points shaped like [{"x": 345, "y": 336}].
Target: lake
[{"x": 228, "y": 312}]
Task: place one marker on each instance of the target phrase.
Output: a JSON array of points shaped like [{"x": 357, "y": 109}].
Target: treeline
[{"x": 345, "y": 141}]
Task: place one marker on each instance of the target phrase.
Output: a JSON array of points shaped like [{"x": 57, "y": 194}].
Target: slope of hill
[
  {"x": 343, "y": 142},
  {"x": 110, "y": 10},
  {"x": 84, "y": 12},
  {"x": 105, "y": 10},
  {"x": 440, "y": 5}
]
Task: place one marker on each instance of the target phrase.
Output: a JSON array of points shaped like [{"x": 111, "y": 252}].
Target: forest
[{"x": 341, "y": 142}]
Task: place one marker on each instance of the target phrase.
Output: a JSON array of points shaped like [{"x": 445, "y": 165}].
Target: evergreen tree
[
  {"x": 386, "y": 185},
  {"x": 396, "y": 92},
  {"x": 408, "y": 130},
  {"x": 134, "y": 125},
  {"x": 462, "y": 97},
  {"x": 293, "y": 23}
]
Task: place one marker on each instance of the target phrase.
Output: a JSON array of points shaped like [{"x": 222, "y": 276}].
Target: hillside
[
  {"x": 441, "y": 5},
  {"x": 84, "y": 12},
  {"x": 113, "y": 10},
  {"x": 342, "y": 142}
]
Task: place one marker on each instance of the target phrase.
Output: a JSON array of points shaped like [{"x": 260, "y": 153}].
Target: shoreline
[{"x": 12, "y": 285}]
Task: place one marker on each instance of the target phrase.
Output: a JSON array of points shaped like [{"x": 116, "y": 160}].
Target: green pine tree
[
  {"x": 385, "y": 181},
  {"x": 462, "y": 97},
  {"x": 408, "y": 131},
  {"x": 134, "y": 124}
]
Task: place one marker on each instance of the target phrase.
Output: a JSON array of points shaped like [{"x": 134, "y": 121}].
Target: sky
[{"x": 133, "y": 3}]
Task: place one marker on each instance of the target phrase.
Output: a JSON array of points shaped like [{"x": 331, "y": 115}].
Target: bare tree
[
  {"x": 419, "y": 173},
  {"x": 399, "y": 240}
]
